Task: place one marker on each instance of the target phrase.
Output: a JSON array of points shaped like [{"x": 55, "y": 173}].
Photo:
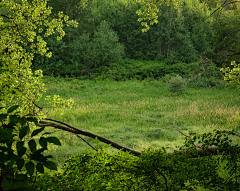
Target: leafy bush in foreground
[{"x": 187, "y": 169}]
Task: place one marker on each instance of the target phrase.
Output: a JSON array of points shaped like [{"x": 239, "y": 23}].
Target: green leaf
[
  {"x": 39, "y": 158},
  {"x": 40, "y": 168},
  {"x": 30, "y": 168},
  {"x": 3, "y": 116},
  {"x": 20, "y": 163},
  {"x": 33, "y": 119},
  {"x": 51, "y": 165},
  {"x": 20, "y": 149},
  {"x": 21, "y": 152},
  {"x": 5, "y": 137},
  {"x": 53, "y": 140},
  {"x": 23, "y": 132},
  {"x": 21, "y": 121},
  {"x": 43, "y": 142},
  {"x": 13, "y": 119},
  {"x": 32, "y": 145},
  {"x": 19, "y": 145},
  {"x": 35, "y": 132},
  {"x": 11, "y": 109}
]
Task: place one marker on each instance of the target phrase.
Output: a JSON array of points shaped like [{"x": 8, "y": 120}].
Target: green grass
[{"x": 138, "y": 114}]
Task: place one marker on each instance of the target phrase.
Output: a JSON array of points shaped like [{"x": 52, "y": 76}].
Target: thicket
[
  {"x": 108, "y": 32},
  {"x": 155, "y": 169}
]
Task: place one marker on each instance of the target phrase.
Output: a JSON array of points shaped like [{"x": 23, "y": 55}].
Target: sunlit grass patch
[{"x": 139, "y": 114}]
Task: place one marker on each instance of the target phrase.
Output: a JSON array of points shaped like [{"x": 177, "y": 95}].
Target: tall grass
[{"x": 139, "y": 114}]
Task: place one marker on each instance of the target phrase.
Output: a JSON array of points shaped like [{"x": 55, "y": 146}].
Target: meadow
[{"x": 138, "y": 114}]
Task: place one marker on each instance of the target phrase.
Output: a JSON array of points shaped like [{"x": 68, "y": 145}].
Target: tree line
[{"x": 109, "y": 33}]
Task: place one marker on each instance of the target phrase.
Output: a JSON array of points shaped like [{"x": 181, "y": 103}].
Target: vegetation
[
  {"x": 109, "y": 45},
  {"x": 176, "y": 39},
  {"x": 176, "y": 84}
]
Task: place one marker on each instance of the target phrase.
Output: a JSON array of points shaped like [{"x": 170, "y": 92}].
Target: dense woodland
[{"x": 109, "y": 38}]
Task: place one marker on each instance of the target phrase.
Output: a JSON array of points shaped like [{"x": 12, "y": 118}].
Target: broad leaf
[
  {"x": 51, "y": 165},
  {"x": 33, "y": 119},
  {"x": 20, "y": 149},
  {"x": 5, "y": 136},
  {"x": 43, "y": 142},
  {"x": 13, "y": 119},
  {"x": 23, "y": 132},
  {"x": 3, "y": 116},
  {"x": 11, "y": 109},
  {"x": 20, "y": 163},
  {"x": 53, "y": 140},
  {"x": 21, "y": 152},
  {"x": 40, "y": 168},
  {"x": 32, "y": 145},
  {"x": 30, "y": 168},
  {"x": 39, "y": 158},
  {"x": 35, "y": 132}
]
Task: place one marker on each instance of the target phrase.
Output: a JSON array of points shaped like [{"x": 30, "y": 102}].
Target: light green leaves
[
  {"x": 232, "y": 75},
  {"x": 149, "y": 10}
]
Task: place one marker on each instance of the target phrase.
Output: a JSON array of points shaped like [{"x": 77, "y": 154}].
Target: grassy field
[{"x": 138, "y": 114}]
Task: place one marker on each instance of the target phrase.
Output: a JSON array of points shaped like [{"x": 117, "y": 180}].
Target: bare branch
[
  {"x": 86, "y": 142},
  {"x": 185, "y": 135},
  {"x": 199, "y": 152},
  {"x": 223, "y": 5},
  {"x": 88, "y": 134}
]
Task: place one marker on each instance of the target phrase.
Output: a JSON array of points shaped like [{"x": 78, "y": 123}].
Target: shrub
[
  {"x": 205, "y": 82},
  {"x": 176, "y": 84}
]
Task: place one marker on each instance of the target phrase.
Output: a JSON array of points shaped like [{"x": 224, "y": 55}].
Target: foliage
[
  {"x": 172, "y": 41},
  {"x": 21, "y": 156},
  {"x": 94, "y": 171},
  {"x": 23, "y": 26},
  {"x": 176, "y": 84},
  {"x": 232, "y": 75},
  {"x": 154, "y": 170},
  {"x": 199, "y": 81},
  {"x": 29, "y": 23},
  {"x": 140, "y": 70},
  {"x": 85, "y": 54}
]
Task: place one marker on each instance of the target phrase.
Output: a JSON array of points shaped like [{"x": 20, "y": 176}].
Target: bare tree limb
[
  {"x": 185, "y": 135},
  {"x": 199, "y": 152},
  {"x": 86, "y": 133}
]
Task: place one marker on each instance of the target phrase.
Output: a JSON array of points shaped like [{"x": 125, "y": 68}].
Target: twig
[
  {"x": 223, "y": 5},
  {"x": 86, "y": 142},
  {"x": 185, "y": 135}
]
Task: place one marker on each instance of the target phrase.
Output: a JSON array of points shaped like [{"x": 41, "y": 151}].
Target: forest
[{"x": 119, "y": 95}]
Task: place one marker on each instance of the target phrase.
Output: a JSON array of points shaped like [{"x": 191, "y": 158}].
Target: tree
[
  {"x": 225, "y": 48},
  {"x": 23, "y": 25}
]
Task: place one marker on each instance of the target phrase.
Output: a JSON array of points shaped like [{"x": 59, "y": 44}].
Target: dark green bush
[
  {"x": 205, "y": 82},
  {"x": 140, "y": 70}
]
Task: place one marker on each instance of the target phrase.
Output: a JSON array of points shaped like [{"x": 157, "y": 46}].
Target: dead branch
[
  {"x": 185, "y": 135},
  {"x": 86, "y": 142},
  {"x": 198, "y": 152},
  {"x": 88, "y": 134}
]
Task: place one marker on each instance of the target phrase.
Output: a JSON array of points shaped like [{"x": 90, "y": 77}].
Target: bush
[
  {"x": 153, "y": 170},
  {"x": 205, "y": 82},
  {"x": 176, "y": 84}
]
